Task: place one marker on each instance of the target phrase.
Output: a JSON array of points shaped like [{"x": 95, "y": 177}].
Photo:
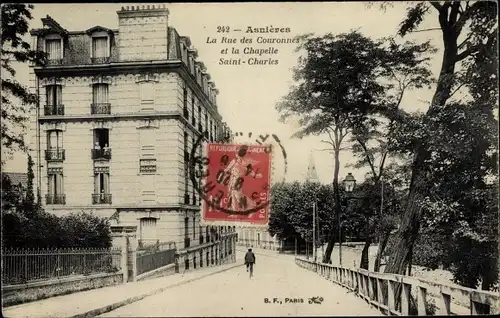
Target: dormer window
[
  {"x": 54, "y": 49},
  {"x": 100, "y": 47},
  {"x": 100, "y": 44}
]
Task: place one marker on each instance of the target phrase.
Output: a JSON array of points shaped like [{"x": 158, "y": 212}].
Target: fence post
[
  {"x": 124, "y": 259},
  {"x": 422, "y": 301},
  {"x": 134, "y": 262}
]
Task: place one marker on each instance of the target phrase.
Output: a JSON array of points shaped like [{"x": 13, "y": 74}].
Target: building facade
[{"x": 119, "y": 113}]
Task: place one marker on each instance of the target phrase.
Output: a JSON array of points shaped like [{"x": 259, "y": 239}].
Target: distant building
[
  {"x": 18, "y": 180},
  {"x": 120, "y": 110},
  {"x": 312, "y": 175}
]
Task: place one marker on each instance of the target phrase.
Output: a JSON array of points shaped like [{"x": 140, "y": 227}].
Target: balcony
[
  {"x": 100, "y": 60},
  {"x": 54, "y": 110},
  {"x": 55, "y": 198},
  {"x": 100, "y": 109},
  {"x": 101, "y": 154},
  {"x": 55, "y": 155},
  {"x": 101, "y": 198}
]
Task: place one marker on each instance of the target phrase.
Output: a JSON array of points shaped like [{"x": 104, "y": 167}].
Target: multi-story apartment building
[{"x": 119, "y": 111}]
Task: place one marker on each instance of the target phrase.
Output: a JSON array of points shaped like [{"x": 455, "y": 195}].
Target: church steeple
[{"x": 311, "y": 170}]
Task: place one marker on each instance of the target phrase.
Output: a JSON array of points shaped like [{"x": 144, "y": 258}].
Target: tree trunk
[
  {"x": 384, "y": 239},
  {"x": 410, "y": 224},
  {"x": 365, "y": 262},
  {"x": 333, "y": 229}
]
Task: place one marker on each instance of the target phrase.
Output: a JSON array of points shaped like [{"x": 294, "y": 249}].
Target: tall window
[
  {"x": 186, "y": 111},
  {"x": 147, "y": 95},
  {"x": 53, "y": 95},
  {"x": 101, "y": 187},
  {"x": 210, "y": 131},
  {"x": 206, "y": 121},
  {"x": 199, "y": 114},
  {"x": 186, "y": 227},
  {"x": 55, "y": 193},
  {"x": 186, "y": 151},
  {"x": 54, "y": 140},
  {"x": 193, "y": 120},
  {"x": 54, "y": 49},
  {"x": 100, "y": 93},
  {"x": 194, "y": 227},
  {"x": 101, "y": 138},
  {"x": 100, "y": 47}
]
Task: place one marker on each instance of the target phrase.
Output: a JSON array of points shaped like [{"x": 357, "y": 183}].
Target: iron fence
[
  {"x": 155, "y": 256},
  {"x": 20, "y": 266}
]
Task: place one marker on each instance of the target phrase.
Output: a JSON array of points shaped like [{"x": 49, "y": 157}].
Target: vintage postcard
[{"x": 250, "y": 159}]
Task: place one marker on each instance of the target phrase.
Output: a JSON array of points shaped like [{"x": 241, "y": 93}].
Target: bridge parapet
[
  {"x": 405, "y": 295},
  {"x": 218, "y": 252}
]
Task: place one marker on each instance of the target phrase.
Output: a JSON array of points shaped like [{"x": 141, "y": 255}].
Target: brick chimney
[{"x": 143, "y": 32}]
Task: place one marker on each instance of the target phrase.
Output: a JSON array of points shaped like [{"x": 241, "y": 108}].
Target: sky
[{"x": 248, "y": 94}]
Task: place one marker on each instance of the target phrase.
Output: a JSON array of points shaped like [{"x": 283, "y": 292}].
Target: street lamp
[{"x": 349, "y": 183}]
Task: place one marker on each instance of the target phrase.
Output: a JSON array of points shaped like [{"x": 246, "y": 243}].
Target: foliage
[
  {"x": 343, "y": 83},
  {"x": 457, "y": 160},
  {"x": 26, "y": 225},
  {"x": 17, "y": 101},
  {"x": 291, "y": 210}
]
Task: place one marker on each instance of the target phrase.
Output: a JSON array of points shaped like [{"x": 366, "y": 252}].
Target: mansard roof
[{"x": 50, "y": 26}]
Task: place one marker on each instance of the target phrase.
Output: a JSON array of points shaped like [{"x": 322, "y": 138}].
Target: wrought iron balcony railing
[
  {"x": 54, "y": 110},
  {"x": 100, "y": 60},
  {"x": 55, "y": 155},
  {"x": 101, "y": 198},
  {"x": 100, "y": 108},
  {"x": 104, "y": 153},
  {"x": 55, "y": 198}
]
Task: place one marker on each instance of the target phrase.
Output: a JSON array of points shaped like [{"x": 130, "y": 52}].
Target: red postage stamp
[{"x": 237, "y": 183}]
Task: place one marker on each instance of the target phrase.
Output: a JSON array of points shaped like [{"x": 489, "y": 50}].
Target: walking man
[{"x": 250, "y": 261}]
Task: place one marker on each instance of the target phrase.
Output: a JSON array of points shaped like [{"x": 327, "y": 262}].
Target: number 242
[{"x": 223, "y": 29}]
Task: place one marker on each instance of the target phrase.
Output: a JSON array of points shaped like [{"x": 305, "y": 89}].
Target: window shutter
[
  {"x": 99, "y": 47},
  {"x": 148, "y": 143},
  {"x": 58, "y": 94},
  {"x": 97, "y": 184},
  {"x": 148, "y": 186},
  {"x": 147, "y": 91},
  {"x": 148, "y": 229}
]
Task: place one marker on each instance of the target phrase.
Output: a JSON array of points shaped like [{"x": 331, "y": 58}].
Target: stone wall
[{"x": 17, "y": 294}]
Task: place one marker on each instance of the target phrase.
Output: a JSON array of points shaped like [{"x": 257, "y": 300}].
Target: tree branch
[
  {"x": 425, "y": 30},
  {"x": 436, "y": 5}
]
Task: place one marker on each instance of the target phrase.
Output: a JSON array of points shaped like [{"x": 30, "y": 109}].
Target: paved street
[{"x": 232, "y": 293}]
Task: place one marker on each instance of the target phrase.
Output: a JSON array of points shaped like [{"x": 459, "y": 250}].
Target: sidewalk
[{"x": 98, "y": 301}]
